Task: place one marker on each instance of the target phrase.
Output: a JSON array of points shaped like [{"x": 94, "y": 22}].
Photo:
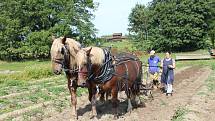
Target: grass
[
  {"x": 8, "y": 87},
  {"x": 19, "y": 66},
  {"x": 202, "y": 51},
  {"x": 57, "y": 90},
  {"x": 61, "y": 104},
  {"x": 29, "y": 73},
  {"x": 210, "y": 82},
  {"x": 162, "y": 103},
  {"x": 124, "y": 45},
  {"x": 38, "y": 113},
  {"x": 179, "y": 114},
  {"x": 42, "y": 93}
]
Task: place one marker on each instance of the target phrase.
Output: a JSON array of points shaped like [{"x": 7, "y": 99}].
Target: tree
[
  {"x": 138, "y": 25},
  {"x": 212, "y": 25},
  {"x": 24, "y": 23},
  {"x": 177, "y": 24}
]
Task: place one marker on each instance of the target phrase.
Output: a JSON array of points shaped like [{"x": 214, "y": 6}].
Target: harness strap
[
  {"x": 126, "y": 84},
  {"x": 105, "y": 69}
]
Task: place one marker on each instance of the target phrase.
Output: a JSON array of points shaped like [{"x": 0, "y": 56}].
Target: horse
[
  {"x": 101, "y": 72},
  {"x": 63, "y": 57}
]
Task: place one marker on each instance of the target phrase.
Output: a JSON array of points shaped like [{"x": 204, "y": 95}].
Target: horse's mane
[
  {"x": 72, "y": 44},
  {"x": 96, "y": 55},
  {"x": 56, "y": 45}
]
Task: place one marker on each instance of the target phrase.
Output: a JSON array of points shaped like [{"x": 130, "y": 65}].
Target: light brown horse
[
  {"x": 63, "y": 58},
  {"x": 101, "y": 72}
]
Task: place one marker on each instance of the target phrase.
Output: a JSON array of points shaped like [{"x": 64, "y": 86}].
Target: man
[{"x": 153, "y": 69}]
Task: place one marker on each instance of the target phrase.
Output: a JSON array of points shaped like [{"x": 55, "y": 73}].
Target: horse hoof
[
  {"x": 129, "y": 109},
  {"x": 142, "y": 104},
  {"x": 75, "y": 117},
  {"x": 94, "y": 118},
  {"x": 101, "y": 102},
  {"x": 116, "y": 117}
]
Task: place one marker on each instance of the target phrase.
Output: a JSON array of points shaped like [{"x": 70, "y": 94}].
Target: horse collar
[{"x": 106, "y": 70}]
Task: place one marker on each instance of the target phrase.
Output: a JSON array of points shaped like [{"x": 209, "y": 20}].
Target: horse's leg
[
  {"x": 90, "y": 94},
  {"x": 114, "y": 94},
  {"x": 107, "y": 95},
  {"x": 129, "y": 108},
  {"x": 93, "y": 102},
  {"x": 72, "y": 89},
  {"x": 138, "y": 100},
  {"x": 102, "y": 97},
  {"x": 129, "y": 105}
]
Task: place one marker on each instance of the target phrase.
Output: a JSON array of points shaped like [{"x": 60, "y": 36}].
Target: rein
[{"x": 151, "y": 66}]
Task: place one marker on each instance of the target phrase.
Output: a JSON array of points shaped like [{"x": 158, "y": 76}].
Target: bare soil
[{"x": 188, "y": 82}]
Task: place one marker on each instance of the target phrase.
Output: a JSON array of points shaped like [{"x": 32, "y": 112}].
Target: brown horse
[
  {"x": 63, "y": 57},
  {"x": 101, "y": 72}
]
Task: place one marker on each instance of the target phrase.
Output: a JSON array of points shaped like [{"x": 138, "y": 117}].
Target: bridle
[
  {"x": 65, "y": 61},
  {"x": 89, "y": 68}
]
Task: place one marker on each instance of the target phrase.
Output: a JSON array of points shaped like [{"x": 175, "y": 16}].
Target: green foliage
[
  {"x": 57, "y": 90},
  {"x": 138, "y": 26},
  {"x": 172, "y": 24},
  {"x": 124, "y": 46},
  {"x": 14, "y": 83},
  {"x": 39, "y": 92},
  {"x": 211, "y": 80},
  {"x": 20, "y": 66},
  {"x": 26, "y": 25},
  {"x": 180, "y": 112},
  {"x": 28, "y": 70}
]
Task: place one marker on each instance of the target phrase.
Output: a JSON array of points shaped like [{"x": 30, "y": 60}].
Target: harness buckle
[{"x": 97, "y": 88}]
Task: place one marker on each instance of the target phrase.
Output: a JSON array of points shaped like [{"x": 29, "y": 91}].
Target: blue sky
[{"x": 112, "y": 15}]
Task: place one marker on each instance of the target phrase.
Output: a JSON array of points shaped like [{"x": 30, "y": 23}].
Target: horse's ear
[
  {"x": 88, "y": 51},
  {"x": 64, "y": 40},
  {"x": 76, "y": 50},
  {"x": 53, "y": 38}
]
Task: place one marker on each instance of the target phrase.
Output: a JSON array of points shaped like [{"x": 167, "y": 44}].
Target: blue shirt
[{"x": 153, "y": 64}]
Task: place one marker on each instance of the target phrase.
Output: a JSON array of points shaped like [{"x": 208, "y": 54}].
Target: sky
[{"x": 112, "y": 15}]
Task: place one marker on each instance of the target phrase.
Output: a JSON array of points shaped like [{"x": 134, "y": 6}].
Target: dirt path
[
  {"x": 186, "y": 85},
  {"x": 162, "y": 108}
]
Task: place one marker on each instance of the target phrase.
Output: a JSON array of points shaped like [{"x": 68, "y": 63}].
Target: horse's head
[
  {"x": 57, "y": 54},
  {"x": 84, "y": 65}
]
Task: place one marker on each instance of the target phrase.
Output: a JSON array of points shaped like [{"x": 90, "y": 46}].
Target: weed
[
  {"x": 81, "y": 91},
  {"x": 201, "y": 93},
  {"x": 9, "y": 119},
  {"x": 211, "y": 82},
  {"x": 57, "y": 90},
  {"x": 14, "y": 83},
  {"x": 39, "y": 95},
  {"x": 60, "y": 105},
  {"x": 33, "y": 98},
  {"x": 38, "y": 113},
  {"x": 27, "y": 70},
  {"x": 179, "y": 114},
  {"x": 163, "y": 103},
  {"x": 8, "y": 106}
]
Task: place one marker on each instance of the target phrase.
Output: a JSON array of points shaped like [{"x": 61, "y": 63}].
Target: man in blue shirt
[{"x": 153, "y": 69}]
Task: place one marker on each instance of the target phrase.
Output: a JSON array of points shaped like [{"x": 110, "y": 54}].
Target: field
[{"x": 29, "y": 91}]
